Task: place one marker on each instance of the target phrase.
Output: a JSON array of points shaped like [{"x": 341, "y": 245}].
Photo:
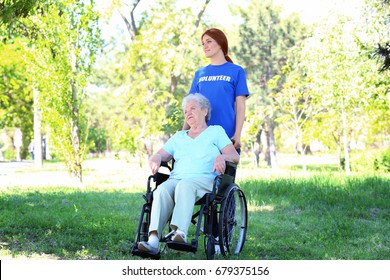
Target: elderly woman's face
[{"x": 194, "y": 115}]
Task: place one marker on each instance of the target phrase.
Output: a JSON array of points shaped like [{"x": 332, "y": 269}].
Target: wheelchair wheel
[
  {"x": 209, "y": 244},
  {"x": 233, "y": 221}
]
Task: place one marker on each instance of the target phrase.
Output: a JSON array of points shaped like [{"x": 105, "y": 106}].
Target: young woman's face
[{"x": 210, "y": 46}]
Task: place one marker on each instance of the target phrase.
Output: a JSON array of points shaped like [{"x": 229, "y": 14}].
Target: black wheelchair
[{"x": 223, "y": 212}]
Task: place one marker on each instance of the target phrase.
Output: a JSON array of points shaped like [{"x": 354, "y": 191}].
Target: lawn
[{"x": 321, "y": 215}]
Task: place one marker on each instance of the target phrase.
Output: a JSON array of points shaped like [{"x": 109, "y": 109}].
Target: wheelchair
[{"x": 223, "y": 213}]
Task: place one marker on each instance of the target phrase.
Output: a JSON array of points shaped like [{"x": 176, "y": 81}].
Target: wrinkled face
[
  {"x": 194, "y": 115},
  {"x": 210, "y": 46}
]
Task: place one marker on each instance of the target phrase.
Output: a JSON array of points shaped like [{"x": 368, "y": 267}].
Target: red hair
[{"x": 221, "y": 39}]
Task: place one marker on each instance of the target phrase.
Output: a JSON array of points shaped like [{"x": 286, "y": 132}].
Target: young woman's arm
[{"x": 240, "y": 118}]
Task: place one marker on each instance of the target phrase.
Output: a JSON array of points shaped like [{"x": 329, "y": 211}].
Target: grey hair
[{"x": 203, "y": 102}]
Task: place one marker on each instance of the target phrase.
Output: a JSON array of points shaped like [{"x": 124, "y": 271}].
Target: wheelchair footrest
[
  {"x": 183, "y": 246},
  {"x": 146, "y": 255}
]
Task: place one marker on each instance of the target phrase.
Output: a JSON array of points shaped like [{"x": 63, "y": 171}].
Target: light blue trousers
[{"x": 177, "y": 197}]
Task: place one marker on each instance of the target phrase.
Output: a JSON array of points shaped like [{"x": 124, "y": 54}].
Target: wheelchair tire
[
  {"x": 209, "y": 247},
  {"x": 232, "y": 221}
]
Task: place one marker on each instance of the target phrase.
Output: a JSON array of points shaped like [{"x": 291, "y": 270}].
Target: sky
[{"x": 310, "y": 11}]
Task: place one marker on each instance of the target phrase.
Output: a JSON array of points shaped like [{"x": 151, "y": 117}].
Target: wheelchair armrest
[
  {"x": 231, "y": 168},
  {"x": 160, "y": 176},
  {"x": 167, "y": 164},
  {"x": 221, "y": 182}
]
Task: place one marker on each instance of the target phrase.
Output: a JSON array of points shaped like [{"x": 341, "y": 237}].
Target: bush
[
  {"x": 368, "y": 161},
  {"x": 382, "y": 161}
]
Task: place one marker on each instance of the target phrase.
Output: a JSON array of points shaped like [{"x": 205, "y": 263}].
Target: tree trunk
[
  {"x": 256, "y": 148},
  {"x": 38, "y": 161},
  {"x": 267, "y": 154},
  {"x": 345, "y": 139},
  {"x": 75, "y": 134},
  {"x": 301, "y": 151},
  {"x": 201, "y": 12},
  {"x": 173, "y": 86},
  {"x": 272, "y": 145}
]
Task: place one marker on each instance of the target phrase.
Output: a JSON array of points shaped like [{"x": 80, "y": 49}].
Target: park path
[
  {"x": 9, "y": 167},
  {"x": 24, "y": 174},
  {"x": 96, "y": 173}
]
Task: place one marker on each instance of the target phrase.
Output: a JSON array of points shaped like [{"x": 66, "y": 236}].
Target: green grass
[{"x": 322, "y": 216}]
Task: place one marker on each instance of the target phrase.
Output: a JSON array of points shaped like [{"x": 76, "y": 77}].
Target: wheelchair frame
[{"x": 224, "y": 212}]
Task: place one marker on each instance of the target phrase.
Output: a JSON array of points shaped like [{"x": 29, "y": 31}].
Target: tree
[
  {"x": 60, "y": 39},
  {"x": 155, "y": 70},
  {"x": 295, "y": 101},
  {"x": 16, "y": 99},
  {"x": 340, "y": 74},
  {"x": 265, "y": 38},
  {"x": 373, "y": 39},
  {"x": 382, "y": 51},
  {"x": 63, "y": 102}
]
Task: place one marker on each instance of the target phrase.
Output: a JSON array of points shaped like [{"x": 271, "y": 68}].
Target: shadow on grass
[{"x": 312, "y": 218}]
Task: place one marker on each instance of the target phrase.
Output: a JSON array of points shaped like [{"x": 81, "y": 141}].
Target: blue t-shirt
[
  {"x": 221, "y": 84},
  {"x": 195, "y": 157}
]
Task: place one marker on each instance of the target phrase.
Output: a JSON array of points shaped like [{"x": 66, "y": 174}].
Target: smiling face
[
  {"x": 210, "y": 46},
  {"x": 194, "y": 114}
]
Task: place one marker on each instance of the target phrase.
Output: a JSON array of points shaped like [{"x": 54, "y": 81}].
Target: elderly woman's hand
[
  {"x": 154, "y": 163},
  {"x": 219, "y": 164}
]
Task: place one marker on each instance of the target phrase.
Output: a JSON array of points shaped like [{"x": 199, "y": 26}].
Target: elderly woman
[{"x": 200, "y": 154}]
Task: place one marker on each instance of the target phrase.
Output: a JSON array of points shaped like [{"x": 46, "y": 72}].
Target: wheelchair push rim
[{"x": 233, "y": 221}]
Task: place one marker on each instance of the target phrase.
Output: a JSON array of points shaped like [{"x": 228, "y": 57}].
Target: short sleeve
[
  {"x": 194, "y": 86},
  {"x": 169, "y": 146},
  {"x": 221, "y": 140},
  {"x": 242, "y": 86}
]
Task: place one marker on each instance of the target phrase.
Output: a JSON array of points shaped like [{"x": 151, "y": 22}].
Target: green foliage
[
  {"x": 59, "y": 74},
  {"x": 155, "y": 72},
  {"x": 382, "y": 161},
  {"x": 377, "y": 27},
  {"x": 300, "y": 87},
  {"x": 98, "y": 138},
  {"x": 265, "y": 38},
  {"x": 12, "y": 10},
  {"x": 369, "y": 161},
  {"x": 16, "y": 99},
  {"x": 49, "y": 48}
]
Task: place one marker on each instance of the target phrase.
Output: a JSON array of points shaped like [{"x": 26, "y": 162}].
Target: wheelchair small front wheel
[
  {"x": 209, "y": 245},
  {"x": 232, "y": 221}
]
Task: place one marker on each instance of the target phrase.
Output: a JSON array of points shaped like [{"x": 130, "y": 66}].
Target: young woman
[{"x": 224, "y": 84}]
